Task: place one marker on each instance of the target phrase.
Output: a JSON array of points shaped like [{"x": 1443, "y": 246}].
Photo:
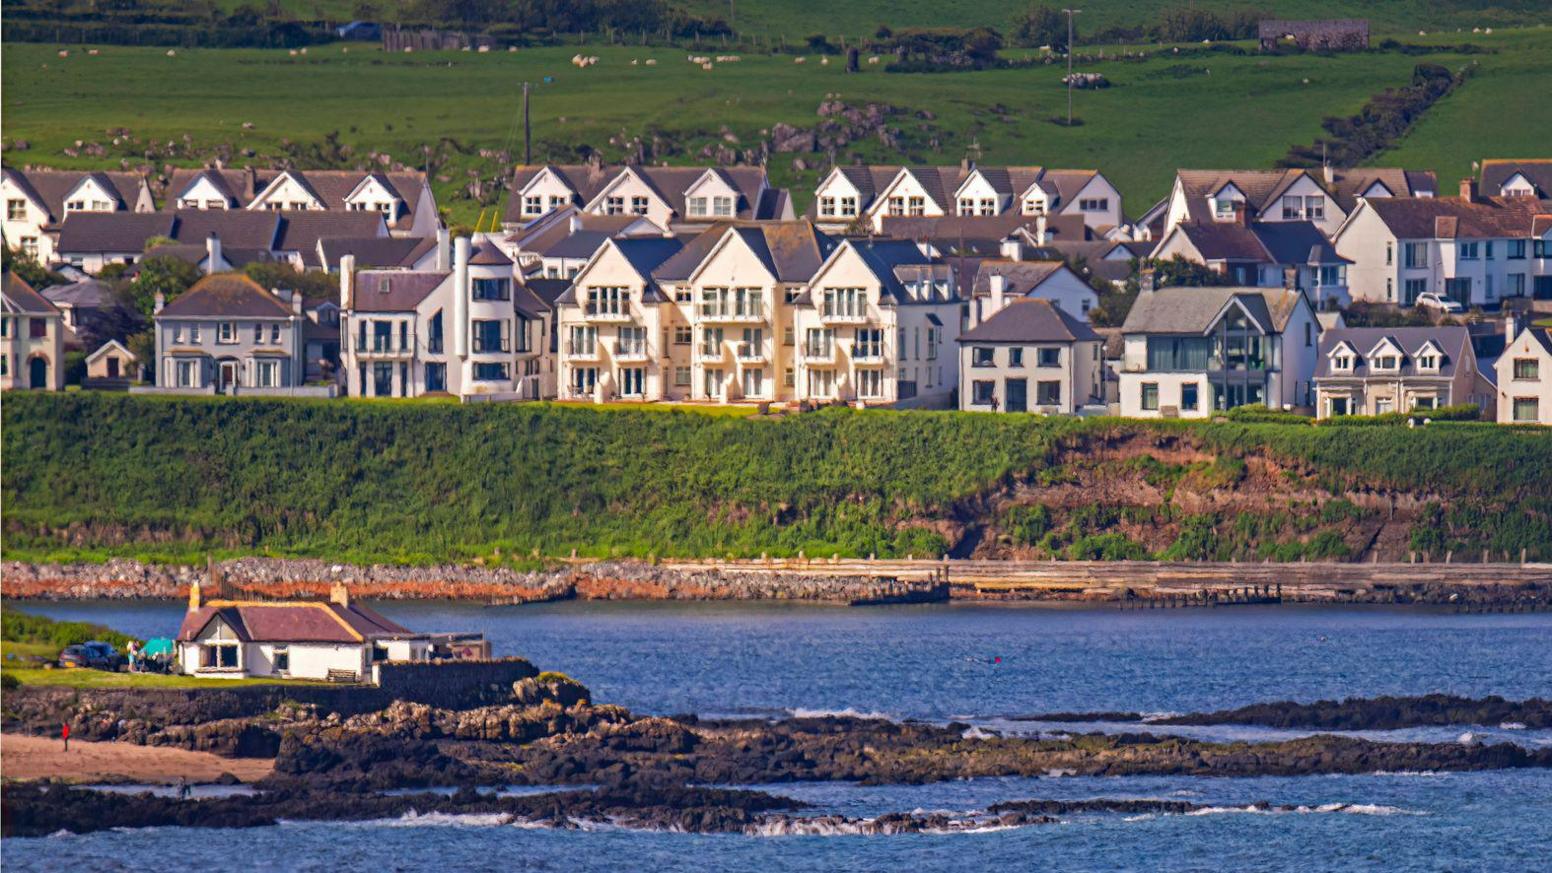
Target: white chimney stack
[
  {"x": 574, "y": 223},
  {"x": 443, "y": 240},
  {"x": 347, "y": 271},
  {"x": 1012, "y": 249},
  {"x": 999, "y": 285},
  {"x": 1040, "y": 232},
  {"x": 1511, "y": 327},
  {"x": 212, "y": 253},
  {"x": 461, "y": 297}
]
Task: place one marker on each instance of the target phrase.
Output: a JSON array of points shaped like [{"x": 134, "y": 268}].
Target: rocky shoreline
[
  {"x": 1352, "y": 714},
  {"x": 656, "y": 772}
]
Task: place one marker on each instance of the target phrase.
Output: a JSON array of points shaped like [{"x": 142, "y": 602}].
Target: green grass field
[{"x": 1214, "y": 110}]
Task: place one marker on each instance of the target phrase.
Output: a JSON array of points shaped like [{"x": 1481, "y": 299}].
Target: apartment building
[{"x": 1476, "y": 250}]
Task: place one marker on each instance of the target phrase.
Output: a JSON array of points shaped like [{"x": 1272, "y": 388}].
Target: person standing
[{"x": 64, "y": 733}]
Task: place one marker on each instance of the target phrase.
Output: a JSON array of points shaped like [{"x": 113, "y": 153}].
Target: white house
[
  {"x": 37, "y": 202},
  {"x": 1530, "y": 178},
  {"x": 1012, "y": 277},
  {"x": 673, "y": 198},
  {"x": 1324, "y": 197},
  {"x": 869, "y": 194},
  {"x": 402, "y": 198},
  {"x": 1190, "y": 352},
  {"x": 1029, "y": 354},
  {"x": 1478, "y": 251},
  {"x": 1377, "y": 370},
  {"x": 334, "y": 640},
  {"x": 1524, "y": 373},
  {"x": 227, "y": 334},
  {"x": 1262, "y": 253}
]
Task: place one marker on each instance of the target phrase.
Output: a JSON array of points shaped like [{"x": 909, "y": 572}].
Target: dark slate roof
[
  {"x": 578, "y": 246},
  {"x": 547, "y": 290},
  {"x": 240, "y": 228},
  {"x": 1453, "y": 218},
  {"x": 404, "y": 289},
  {"x": 194, "y": 253},
  {"x": 113, "y": 231},
  {"x": 1189, "y": 310},
  {"x": 529, "y": 303},
  {"x": 486, "y": 254},
  {"x": 1454, "y": 340},
  {"x": 670, "y": 183},
  {"x": 1224, "y": 241},
  {"x": 226, "y": 295},
  {"x": 85, "y": 294},
  {"x": 50, "y": 187},
  {"x": 1030, "y": 320},
  {"x": 1262, "y": 188},
  {"x": 375, "y": 251},
  {"x": 296, "y": 622},
  {"x": 1021, "y": 277},
  {"x": 983, "y": 233},
  {"x": 1296, "y": 242},
  {"x": 1538, "y": 170},
  {"x": 301, "y": 231},
  {"x": 540, "y": 233},
  {"x": 19, "y": 297},
  {"x": 888, "y": 259},
  {"x": 330, "y": 186}
]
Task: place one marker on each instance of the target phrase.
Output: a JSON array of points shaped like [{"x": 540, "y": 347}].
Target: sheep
[
  {"x": 706, "y": 66},
  {"x": 172, "y": 53},
  {"x": 873, "y": 59},
  {"x": 651, "y": 62},
  {"x": 92, "y": 52},
  {"x": 63, "y": 53},
  {"x": 799, "y": 60},
  {"x": 824, "y": 62},
  {"x": 484, "y": 49}
]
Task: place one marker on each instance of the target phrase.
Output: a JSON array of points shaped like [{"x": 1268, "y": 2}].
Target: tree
[
  {"x": 143, "y": 346},
  {"x": 1041, "y": 26},
  {"x": 159, "y": 274},
  {"x": 27, "y": 268},
  {"x": 314, "y": 285}
]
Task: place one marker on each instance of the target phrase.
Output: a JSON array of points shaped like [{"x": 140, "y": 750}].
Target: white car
[{"x": 1432, "y": 300}]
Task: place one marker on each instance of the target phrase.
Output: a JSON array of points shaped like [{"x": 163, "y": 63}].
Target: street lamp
[{"x": 1070, "y": 14}]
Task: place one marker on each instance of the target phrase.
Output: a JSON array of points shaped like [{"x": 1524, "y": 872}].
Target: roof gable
[{"x": 230, "y": 295}]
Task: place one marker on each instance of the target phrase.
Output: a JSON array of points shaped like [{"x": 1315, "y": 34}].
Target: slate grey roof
[
  {"x": 375, "y": 251},
  {"x": 112, "y": 231},
  {"x": 670, "y": 183},
  {"x": 19, "y": 297},
  {"x": 547, "y": 290},
  {"x": 1263, "y": 188},
  {"x": 1496, "y": 172},
  {"x": 226, "y": 295},
  {"x": 394, "y": 290},
  {"x": 1030, "y": 320},
  {"x": 238, "y": 229},
  {"x": 486, "y": 254},
  {"x": 580, "y": 245},
  {"x": 1454, "y": 340},
  {"x": 645, "y": 255},
  {"x": 888, "y": 260},
  {"x": 791, "y": 250},
  {"x": 50, "y": 187},
  {"x": 1190, "y": 310},
  {"x": 301, "y": 231},
  {"x": 329, "y": 186},
  {"x": 85, "y": 294},
  {"x": 195, "y": 253},
  {"x": 983, "y": 233},
  {"x": 1296, "y": 242},
  {"x": 941, "y": 182}
]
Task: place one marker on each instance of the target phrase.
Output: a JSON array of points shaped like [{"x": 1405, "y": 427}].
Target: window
[
  {"x": 870, "y": 383},
  {"x": 15, "y": 210},
  {"x": 826, "y": 207},
  {"x": 988, "y": 206},
  {"x": 633, "y": 381},
  {"x": 1527, "y": 370},
  {"x": 1385, "y": 362},
  {"x": 282, "y": 659},
  {"x": 1177, "y": 354},
  {"x": 491, "y": 335},
  {"x": 754, "y": 383},
  {"x": 967, "y": 206},
  {"x": 682, "y": 377},
  {"x": 1150, "y": 396},
  {"x": 821, "y": 383},
  {"x": 752, "y": 348},
  {"x": 226, "y": 332},
  {"x": 1429, "y": 402},
  {"x": 1034, "y": 206},
  {"x": 1336, "y": 406},
  {"x": 1411, "y": 288},
  {"x": 583, "y": 381},
  {"x": 869, "y": 344},
  {"x": 711, "y": 342},
  {"x": 1223, "y": 208},
  {"x": 1514, "y": 285},
  {"x": 682, "y": 295},
  {"x": 934, "y": 339},
  {"x": 30, "y": 246},
  {"x": 1458, "y": 289},
  {"x": 1470, "y": 251},
  {"x": 533, "y": 204},
  {"x": 683, "y": 335},
  {"x": 1309, "y": 335},
  {"x": 1050, "y": 357},
  {"x": 639, "y": 205},
  {"x": 1414, "y": 255},
  {"x": 436, "y": 377},
  {"x": 194, "y": 333},
  {"x": 37, "y": 328},
  {"x": 1342, "y": 362},
  {"x": 1048, "y": 393},
  {"x": 434, "y": 334},
  {"x": 607, "y": 301},
  {"x": 382, "y": 379},
  {"x": 696, "y": 206},
  {"x": 787, "y": 336},
  {"x": 614, "y": 206},
  {"x": 916, "y": 206},
  {"x": 1514, "y": 249},
  {"x": 1488, "y": 247},
  {"x": 983, "y": 356},
  {"x": 490, "y": 372},
  {"x": 789, "y": 378},
  {"x": 1527, "y": 409},
  {"x": 1094, "y": 204},
  {"x": 492, "y": 289},
  {"x": 631, "y": 342},
  {"x": 1016, "y": 357},
  {"x": 187, "y": 374},
  {"x": 714, "y": 378},
  {"x": 557, "y": 201},
  {"x": 583, "y": 341},
  {"x": 983, "y": 393},
  {"x": 819, "y": 343},
  {"x": 722, "y": 207},
  {"x": 1428, "y": 362},
  {"x": 1390, "y": 253},
  {"x": 843, "y": 303},
  {"x": 1188, "y": 396}
]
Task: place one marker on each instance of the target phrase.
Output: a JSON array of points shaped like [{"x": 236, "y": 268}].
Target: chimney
[
  {"x": 250, "y": 183},
  {"x": 1041, "y": 237},
  {"x": 161, "y": 300},
  {"x": 999, "y": 285},
  {"x": 1012, "y": 249},
  {"x": 443, "y": 244},
  {"x": 1147, "y": 280},
  {"x": 339, "y": 594},
  {"x": 212, "y": 253},
  {"x": 574, "y": 223},
  {"x": 347, "y": 273},
  {"x": 966, "y": 164},
  {"x": 1329, "y": 174},
  {"x": 1511, "y": 328},
  {"x": 1291, "y": 278},
  {"x": 296, "y": 303},
  {"x": 461, "y": 297},
  {"x": 196, "y": 595},
  {"x": 1468, "y": 189},
  {"x": 1241, "y": 214}
]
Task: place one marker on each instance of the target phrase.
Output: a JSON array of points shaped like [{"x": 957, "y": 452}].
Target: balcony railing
[
  {"x": 818, "y": 352},
  {"x": 732, "y": 316},
  {"x": 483, "y": 346},
  {"x": 606, "y": 314},
  {"x": 585, "y": 351},
  {"x": 868, "y": 353},
  {"x": 842, "y": 317},
  {"x": 386, "y": 346},
  {"x": 751, "y": 351},
  {"x": 631, "y": 351}
]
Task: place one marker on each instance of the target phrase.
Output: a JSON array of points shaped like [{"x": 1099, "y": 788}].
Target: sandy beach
[{"x": 25, "y": 757}]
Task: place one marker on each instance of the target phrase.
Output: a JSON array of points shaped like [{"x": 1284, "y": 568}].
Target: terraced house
[
  {"x": 402, "y": 198},
  {"x": 671, "y": 198},
  {"x": 37, "y": 201},
  {"x": 867, "y": 196},
  {"x": 466, "y": 328},
  {"x": 1378, "y": 370},
  {"x": 1325, "y": 196},
  {"x": 1524, "y": 372},
  {"x": 1477, "y": 250}
]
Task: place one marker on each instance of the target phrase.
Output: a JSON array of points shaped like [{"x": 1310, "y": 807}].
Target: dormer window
[
  {"x": 1387, "y": 363},
  {"x": 614, "y": 206},
  {"x": 1342, "y": 362},
  {"x": 897, "y": 206},
  {"x": 1223, "y": 208},
  {"x": 967, "y": 206},
  {"x": 722, "y": 207},
  {"x": 826, "y": 206},
  {"x": 697, "y": 206},
  {"x": 917, "y": 206},
  {"x": 848, "y": 206},
  {"x": 639, "y": 205},
  {"x": 1428, "y": 362},
  {"x": 988, "y": 206},
  {"x": 557, "y": 201}
]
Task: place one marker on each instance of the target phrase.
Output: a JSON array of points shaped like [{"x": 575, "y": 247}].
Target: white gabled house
[
  {"x": 672, "y": 198},
  {"x": 38, "y": 201},
  {"x": 402, "y": 197},
  {"x": 1524, "y": 372},
  {"x": 1029, "y": 354},
  {"x": 1324, "y": 196}
]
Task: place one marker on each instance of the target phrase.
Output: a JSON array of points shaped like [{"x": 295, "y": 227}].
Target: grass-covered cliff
[{"x": 90, "y": 476}]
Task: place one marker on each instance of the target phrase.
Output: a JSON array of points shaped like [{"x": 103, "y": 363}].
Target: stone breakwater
[{"x": 1138, "y": 583}]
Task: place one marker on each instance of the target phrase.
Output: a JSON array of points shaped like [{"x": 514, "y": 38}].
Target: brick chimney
[
  {"x": 1468, "y": 189},
  {"x": 1291, "y": 278},
  {"x": 1241, "y": 214}
]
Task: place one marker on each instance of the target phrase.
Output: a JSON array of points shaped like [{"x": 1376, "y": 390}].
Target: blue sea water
[{"x": 941, "y": 662}]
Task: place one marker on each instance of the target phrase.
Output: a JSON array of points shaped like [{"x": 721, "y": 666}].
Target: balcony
[
  {"x": 731, "y": 316},
  {"x": 711, "y": 353},
  {"x": 625, "y": 351},
  {"x": 606, "y": 315},
  {"x": 842, "y": 317},
  {"x": 868, "y": 358},
  {"x": 819, "y": 353},
  {"x": 581, "y": 351},
  {"x": 751, "y": 352},
  {"x": 385, "y": 347}
]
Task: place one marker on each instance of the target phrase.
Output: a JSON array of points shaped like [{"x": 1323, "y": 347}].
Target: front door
[
  {"x": 1018, "y": 394},
  {"x": 113, "y": 368},
  {"x": 37, "y": 373},
  {"x": 228, "y": 375}
]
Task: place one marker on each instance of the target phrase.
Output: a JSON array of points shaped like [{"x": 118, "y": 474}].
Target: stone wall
[{"x": 1349, "y": 34}]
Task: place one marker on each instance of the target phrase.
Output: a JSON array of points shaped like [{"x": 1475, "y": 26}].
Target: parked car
[
  {"x": 1434, "y": 300},
  {"x": 95, "y": 655}
]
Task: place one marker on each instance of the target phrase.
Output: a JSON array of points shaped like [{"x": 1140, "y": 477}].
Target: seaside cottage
[{"x": 333, "y": 640}]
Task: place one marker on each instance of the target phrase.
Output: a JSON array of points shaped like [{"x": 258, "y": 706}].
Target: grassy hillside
[
  {"x": 1169, "y": 111},
  {"x": 90, "y": 476}
]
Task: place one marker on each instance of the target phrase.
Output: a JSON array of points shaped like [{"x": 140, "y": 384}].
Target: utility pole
[
  {"x": 527, "y": 141},
  {"x": 1070, "y": 14}
]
